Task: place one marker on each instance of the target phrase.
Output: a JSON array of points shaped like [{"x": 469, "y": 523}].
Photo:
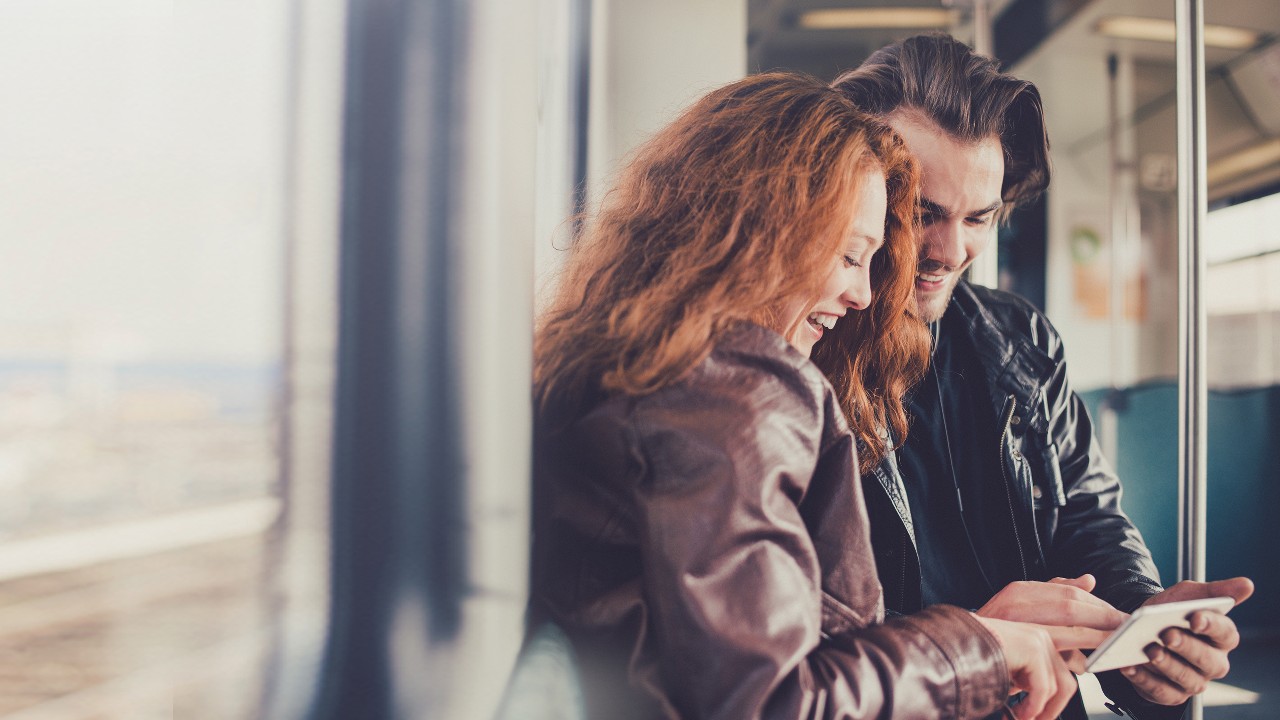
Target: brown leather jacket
[{"x": 706, "y": 549}]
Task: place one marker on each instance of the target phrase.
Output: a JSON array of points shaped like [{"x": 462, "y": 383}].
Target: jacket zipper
[
  {"x": 902, "y": 583},
  {"x": 1010, "y": 405}
]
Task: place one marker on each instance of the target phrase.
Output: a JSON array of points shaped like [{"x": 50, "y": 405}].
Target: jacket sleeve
[{"x": 732, "y": 580}]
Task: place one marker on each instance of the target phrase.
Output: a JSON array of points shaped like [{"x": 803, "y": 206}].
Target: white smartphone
[{"x": 1124, "y": 647}]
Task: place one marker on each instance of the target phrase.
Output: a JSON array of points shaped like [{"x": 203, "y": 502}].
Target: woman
[{"x": 699, "y": 527}]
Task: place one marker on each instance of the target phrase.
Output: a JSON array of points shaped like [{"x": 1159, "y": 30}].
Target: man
[{"x": 1000, "y": 500}]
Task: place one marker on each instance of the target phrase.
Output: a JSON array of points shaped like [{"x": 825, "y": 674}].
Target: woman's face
[{"x": 848, "y": 284}]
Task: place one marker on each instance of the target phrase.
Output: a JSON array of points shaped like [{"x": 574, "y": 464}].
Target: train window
[
  {"x": 266, "y": 321},
  {"x": 141, "y": 207},
  {"x": 1242, "y": 296}
]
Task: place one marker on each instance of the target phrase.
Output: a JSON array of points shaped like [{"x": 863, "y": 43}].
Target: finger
[
  {"x": 1040, "y": 688},
  {"x": 1237, "y": 588},
  {"x": 1208, "y": 660},
  {"x": 1075, "y": 660},
  {"x": 1066, "y": 688},
  {"x": 1093, "y": 613},
  {"x": 1052, "y": 603},
  {"x": 1067, "y": 605},
  {"x": 1085, "y": 582},
  {"x": 1154, "y": 686},
  {"x": 1216, "y": 629},
  {"x": 1176, "y": 671},
  {"x": 1075, "y": 638}
]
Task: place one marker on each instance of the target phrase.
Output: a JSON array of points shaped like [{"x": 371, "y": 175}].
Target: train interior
[{"x": 272, "y": 268}]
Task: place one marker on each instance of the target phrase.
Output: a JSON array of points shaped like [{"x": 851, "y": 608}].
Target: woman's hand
[{"x": 1035, "y": 657}]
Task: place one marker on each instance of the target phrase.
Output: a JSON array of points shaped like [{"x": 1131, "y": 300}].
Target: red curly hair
[{"x": 739, "y": 204}]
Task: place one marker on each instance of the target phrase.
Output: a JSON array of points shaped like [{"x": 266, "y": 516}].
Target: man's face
[{"x": 960, "y": 195}]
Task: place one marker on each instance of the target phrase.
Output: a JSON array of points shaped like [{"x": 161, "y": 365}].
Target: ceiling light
[
  {"x": 890, "y": 18},
  {"x": 1245, "y": 161},
  {"x": 1130, "y": 27}
]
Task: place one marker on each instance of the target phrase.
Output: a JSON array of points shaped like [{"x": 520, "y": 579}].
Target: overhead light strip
[
  {"x": 880, "y": 18},
  {"x": 1243, "y": 162},
  {"x": 1130, "y": 27}
]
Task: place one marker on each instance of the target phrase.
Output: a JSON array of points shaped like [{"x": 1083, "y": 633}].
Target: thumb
[
  {"x": 1074, "y": 659},
  {"x": 1085, "y": 582},
  {"x": 1237, "y": 588}
]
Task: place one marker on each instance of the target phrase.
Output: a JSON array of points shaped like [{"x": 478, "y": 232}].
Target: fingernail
[
  {"x": 1129, "y": 672},
  {"x": 1175, "y": 641},
  {"x": 1200, "y": 624}
]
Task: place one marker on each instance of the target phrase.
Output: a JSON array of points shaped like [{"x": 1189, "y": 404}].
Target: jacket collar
[
  {"x": 890, "y": 478},
  {"x": 1012, "y": 365}
]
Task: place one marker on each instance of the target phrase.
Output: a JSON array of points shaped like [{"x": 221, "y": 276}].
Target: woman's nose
[{"x": 858, "y": 294}]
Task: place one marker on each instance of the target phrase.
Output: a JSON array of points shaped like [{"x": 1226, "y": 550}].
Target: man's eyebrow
[
  {"x": 989, "y": 209},
  {"x": 933, "y": 208}
]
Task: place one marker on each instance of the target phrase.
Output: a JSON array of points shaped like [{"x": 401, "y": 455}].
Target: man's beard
[{"x": 935, "y": 305}]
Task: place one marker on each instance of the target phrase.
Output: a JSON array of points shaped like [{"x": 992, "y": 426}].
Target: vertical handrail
[
  {"x": 299, "y": 579},
  {"x": 985, "y": 269},
  {"x": 982, "y": 30},
  {"x": 1125, "y": 231},
  {"x": 433, "y": 413},
  {"x": 1192, "y": 208},
  {"x": 1108, "y": 431}
]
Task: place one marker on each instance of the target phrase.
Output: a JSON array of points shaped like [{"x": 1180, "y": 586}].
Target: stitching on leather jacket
[{"x": 846, "y": 617}]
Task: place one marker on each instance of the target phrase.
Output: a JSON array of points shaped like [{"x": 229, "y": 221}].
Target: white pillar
[{"x": 650, "y": 59}]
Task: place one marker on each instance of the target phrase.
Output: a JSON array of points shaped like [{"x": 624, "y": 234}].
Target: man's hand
[
  {"x": 1061, "y": 601},
  {"x": 1190, "y": 659},
  {"x": 1033, "y": 654}
]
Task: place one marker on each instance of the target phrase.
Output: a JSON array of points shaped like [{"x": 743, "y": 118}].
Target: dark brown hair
[
  {"x": 966, "y": 95},
  {"x": 738, "y": 205}
]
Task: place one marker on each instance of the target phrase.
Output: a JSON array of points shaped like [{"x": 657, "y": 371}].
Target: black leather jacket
[{"x": 1062, "y": 515}]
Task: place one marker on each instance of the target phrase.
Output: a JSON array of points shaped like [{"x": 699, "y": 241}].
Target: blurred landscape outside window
[{"x": 141, "y": 296}]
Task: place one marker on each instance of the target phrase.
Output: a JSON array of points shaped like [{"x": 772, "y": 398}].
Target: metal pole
[
  {"x": 1126, "y": 229},
  {"x": 985, "y": 269},
  {"x": 1107, "y": 421},
  {"x": 435, "y": 304},
  {"x": 982, "y": 28},
  {"x": 300, "y": 578},
  {"x": 1192, "y": 208}
]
